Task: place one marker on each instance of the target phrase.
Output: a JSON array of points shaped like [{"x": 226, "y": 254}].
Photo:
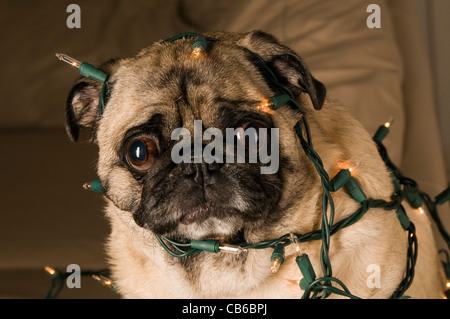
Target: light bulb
[
  {"x": 103, "y": 280},
  {"x": 95, "y": 186},
  {"x": 68, "y": 60},
  {"x": 87, "y": 186},
  {"x": 50, "y": 270},
  {"x": 85, "y": 69},
  {"x": 265, "y": 106},
  {"x": 276, "y": 263},
  {"x": 296, "y": 243},
  {"x": 350, "y": 165},
  {"x": 231, "y": 249},
  {"x": 277, "y": 258},
  {"x": 199, "y": 46},
  {"x": 389, "y": 122},
  {"x": 197, "y": 51},
  {"x": 383, "y": 130}
]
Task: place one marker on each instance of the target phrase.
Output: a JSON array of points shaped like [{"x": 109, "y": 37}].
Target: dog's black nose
[{"x": 201, "y": 172}]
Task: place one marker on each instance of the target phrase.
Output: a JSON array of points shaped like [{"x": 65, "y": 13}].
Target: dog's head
[{"x": 161, "y": 158}]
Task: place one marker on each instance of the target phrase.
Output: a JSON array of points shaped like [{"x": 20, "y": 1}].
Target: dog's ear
[
  {"x": 82, "y": 109},
  {"x": 287, "y": 66}
]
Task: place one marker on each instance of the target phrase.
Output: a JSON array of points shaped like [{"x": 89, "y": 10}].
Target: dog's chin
[{"x": 224, "y": 230}]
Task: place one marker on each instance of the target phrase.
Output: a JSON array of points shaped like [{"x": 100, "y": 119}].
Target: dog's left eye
[{"x": 141, "y": 152}]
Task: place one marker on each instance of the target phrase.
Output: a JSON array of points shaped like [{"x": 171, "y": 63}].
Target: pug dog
[{"x": 168, "y": 87}]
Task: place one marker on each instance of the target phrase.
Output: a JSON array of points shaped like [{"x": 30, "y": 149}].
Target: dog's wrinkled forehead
[{"x": 168, "y": 78}]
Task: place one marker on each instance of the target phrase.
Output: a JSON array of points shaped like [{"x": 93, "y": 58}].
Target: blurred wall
[{"x": 436, "y": 25}]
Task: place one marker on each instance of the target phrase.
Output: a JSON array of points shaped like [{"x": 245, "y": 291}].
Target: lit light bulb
[
  {"x": 383, "y": 130},
  {"x": 87, "y": 186},
  {"x": 296, "y": 243},
  {"x": 199, "y": 46},
  {"x": 50, "y": 270},
  {"x": 347, "y": 169},
  {"x": 389, "y": 122},
  {"x": 447, "y": 284},
  {"x": 68, "y": 60},
  {"x": 350, "y": 165},
  {"x": 276, "y": 263},
  {"x": 85, "y": 69},
  {"x": 277, "y": 258},
  {"x": 103, "y": 280},
  {"x": 265, "y": 106},
  {"x": 420, "y": 210},
  {"x": 197, "y": 51},
  {"x": 273, "y": 103}
]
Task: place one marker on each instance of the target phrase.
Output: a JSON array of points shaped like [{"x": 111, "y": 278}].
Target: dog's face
[{"x": 165, "y": 88}]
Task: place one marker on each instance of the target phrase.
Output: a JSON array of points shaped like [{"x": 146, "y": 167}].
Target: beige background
[{"x": 436, "y": 25}]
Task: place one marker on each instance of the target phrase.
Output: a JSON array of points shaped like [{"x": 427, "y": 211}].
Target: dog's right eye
[{"x": 141, "y": 152}]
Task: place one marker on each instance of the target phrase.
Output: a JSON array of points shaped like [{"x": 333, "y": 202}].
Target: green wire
[{"x": 323, "y": 287}]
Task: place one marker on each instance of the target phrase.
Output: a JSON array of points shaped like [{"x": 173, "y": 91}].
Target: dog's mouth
[
  {"x": 208, "y": 221},
  {"x": 234, "y": 238},
  {"x": 201, "y": 213}
]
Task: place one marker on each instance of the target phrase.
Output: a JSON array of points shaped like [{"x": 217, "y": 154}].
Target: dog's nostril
[
  {"x": 194, "y": 170},
  {"x": 201, "y": 172}
]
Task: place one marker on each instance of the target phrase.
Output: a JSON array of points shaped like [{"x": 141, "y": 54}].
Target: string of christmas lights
[
  {"x": 405, "y": 189},
  {"x": 59, "y": 278}
]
